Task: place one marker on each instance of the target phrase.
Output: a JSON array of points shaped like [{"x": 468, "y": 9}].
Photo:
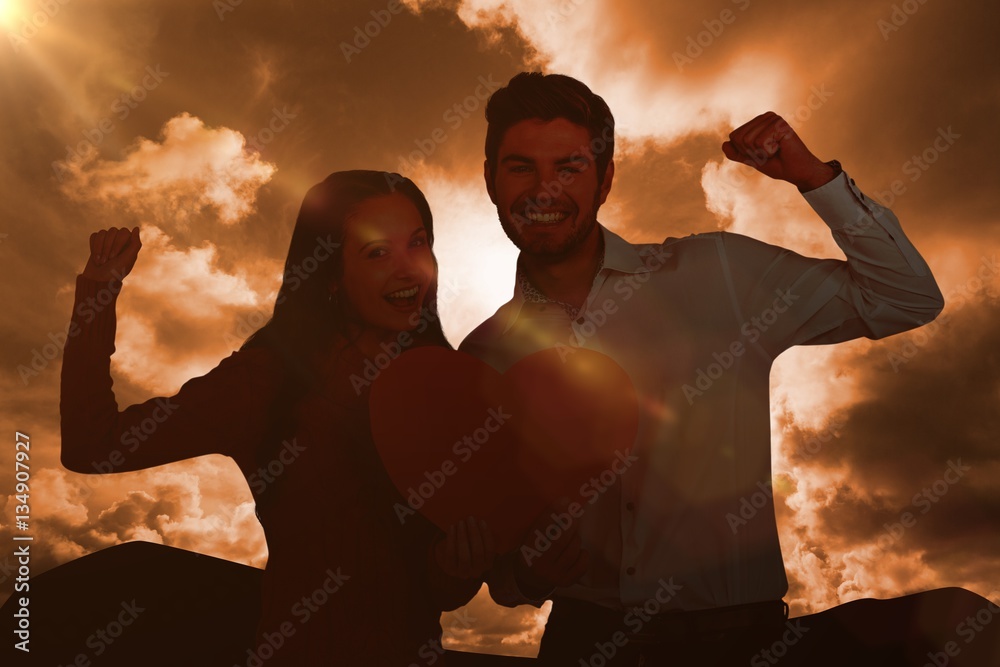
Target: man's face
[{"x": 545, "y": 187}]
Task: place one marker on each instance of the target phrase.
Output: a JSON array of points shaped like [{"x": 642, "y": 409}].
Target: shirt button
[
  {"x": 629, "y": 506},
  {"x": 630, "y": 570}
]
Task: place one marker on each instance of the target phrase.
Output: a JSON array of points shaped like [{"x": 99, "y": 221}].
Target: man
[{"x": 656, "y": 568}]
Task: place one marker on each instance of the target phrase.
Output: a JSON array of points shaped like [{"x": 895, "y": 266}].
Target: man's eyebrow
[
  {"x": 514, "y": 157},
  {"x": 575, "y": 157}
]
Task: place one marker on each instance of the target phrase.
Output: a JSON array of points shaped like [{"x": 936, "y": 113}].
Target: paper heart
[{"x": 457, "y": 438}]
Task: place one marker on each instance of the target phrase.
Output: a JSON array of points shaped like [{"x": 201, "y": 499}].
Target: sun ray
[{"x": 10, "y": 13}]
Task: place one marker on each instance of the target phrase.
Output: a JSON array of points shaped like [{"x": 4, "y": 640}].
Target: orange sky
[{"x": 205, "y": 123}]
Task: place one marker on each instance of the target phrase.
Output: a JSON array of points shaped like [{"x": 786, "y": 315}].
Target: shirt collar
[{"x": 619, "y": 255}]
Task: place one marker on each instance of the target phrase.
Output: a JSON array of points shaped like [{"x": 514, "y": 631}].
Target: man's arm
[{"x": 884, "y": 287}]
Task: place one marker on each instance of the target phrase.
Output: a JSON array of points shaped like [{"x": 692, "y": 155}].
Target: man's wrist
[{"x": 823, "y": 174}]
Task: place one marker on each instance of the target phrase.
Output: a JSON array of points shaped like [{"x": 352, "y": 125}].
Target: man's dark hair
[{"x": 547, "y": 97}]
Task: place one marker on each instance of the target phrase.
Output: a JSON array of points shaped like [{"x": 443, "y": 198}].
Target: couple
[{"x": 654, "y": 571}]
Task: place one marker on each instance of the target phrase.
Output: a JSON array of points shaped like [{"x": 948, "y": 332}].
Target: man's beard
[{"x": 548, "y": 247}]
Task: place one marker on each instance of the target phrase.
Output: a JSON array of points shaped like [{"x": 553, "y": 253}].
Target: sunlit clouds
[
  {"x": 482, "y": 628},
  {"x": 189, "y": 505},
  {"x": 193, "y": 168},
  {"x": 615, "y": 55},
  {"x": 748, "y": 203},
  {"x": 180, "y": 312},
  {"x": 154, "y": 355},
  {"x": 893, "y": 490}
]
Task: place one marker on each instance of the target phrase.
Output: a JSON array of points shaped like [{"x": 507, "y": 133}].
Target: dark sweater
[{"x": 345, "y": 582}]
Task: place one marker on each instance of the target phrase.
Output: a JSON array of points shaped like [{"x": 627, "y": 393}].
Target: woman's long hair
[{"x": 307, "y": 323}]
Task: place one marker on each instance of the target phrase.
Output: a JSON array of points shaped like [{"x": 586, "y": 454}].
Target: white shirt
[{"x": 696, "y": 322}]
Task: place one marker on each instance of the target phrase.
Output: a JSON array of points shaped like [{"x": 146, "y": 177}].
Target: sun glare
[{"x": 9, "y": 12}]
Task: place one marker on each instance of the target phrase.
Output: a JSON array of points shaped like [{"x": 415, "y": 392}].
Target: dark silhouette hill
[{"x": 141, "y": 604}]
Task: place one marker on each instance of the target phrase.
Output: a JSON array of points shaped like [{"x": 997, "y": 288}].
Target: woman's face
[{"x": 388, "y": 264}]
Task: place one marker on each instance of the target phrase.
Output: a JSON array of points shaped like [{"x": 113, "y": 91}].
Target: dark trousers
[{"x": 945, "y": 627}]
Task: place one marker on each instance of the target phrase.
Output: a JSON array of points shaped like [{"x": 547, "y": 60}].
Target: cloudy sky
[{"x": 206, "y": 122}]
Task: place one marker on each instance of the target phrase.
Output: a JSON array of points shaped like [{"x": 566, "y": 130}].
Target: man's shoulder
[
  {"x": 702, "y": 242},
  {"x": 698, "y": 239},
  {"x": 698, "y": 255},
  {"x": 487, "y": 332},
  {"x": 690, "y": 242},
  {"x": 679, "y": 248}
]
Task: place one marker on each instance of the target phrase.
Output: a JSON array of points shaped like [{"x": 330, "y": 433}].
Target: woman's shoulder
[
  {"x": 258, "y": 364},
  {"x": 255, "y": 355}
]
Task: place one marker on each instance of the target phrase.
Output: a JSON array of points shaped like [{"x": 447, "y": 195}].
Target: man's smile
[{"x": 551, "y": 217}]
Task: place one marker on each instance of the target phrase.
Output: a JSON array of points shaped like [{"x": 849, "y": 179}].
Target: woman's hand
[
  {"x": 112, "y": 254},
  {"x": 466, "y": 551}
]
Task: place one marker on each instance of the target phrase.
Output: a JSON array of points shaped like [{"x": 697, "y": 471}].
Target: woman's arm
[{"x": 224, "y": 411}]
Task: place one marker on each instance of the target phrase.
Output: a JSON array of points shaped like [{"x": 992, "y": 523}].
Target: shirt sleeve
[
  {"x": 783, "y": 299},
  {"x": 224, "y": 411}
]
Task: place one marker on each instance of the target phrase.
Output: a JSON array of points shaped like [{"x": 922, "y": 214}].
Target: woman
[{"x": 346, "y": 582}]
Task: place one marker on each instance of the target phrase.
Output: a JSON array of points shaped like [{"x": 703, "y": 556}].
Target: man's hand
[
  {"x": 769, "y": 144},
  {"x": 112, "y": 254},
  {"x": 562, "y": 564},
  {"x": 466, "y": 551}
]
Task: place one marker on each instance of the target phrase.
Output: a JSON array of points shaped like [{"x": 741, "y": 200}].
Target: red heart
[{"x": 458, "y": 438}]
